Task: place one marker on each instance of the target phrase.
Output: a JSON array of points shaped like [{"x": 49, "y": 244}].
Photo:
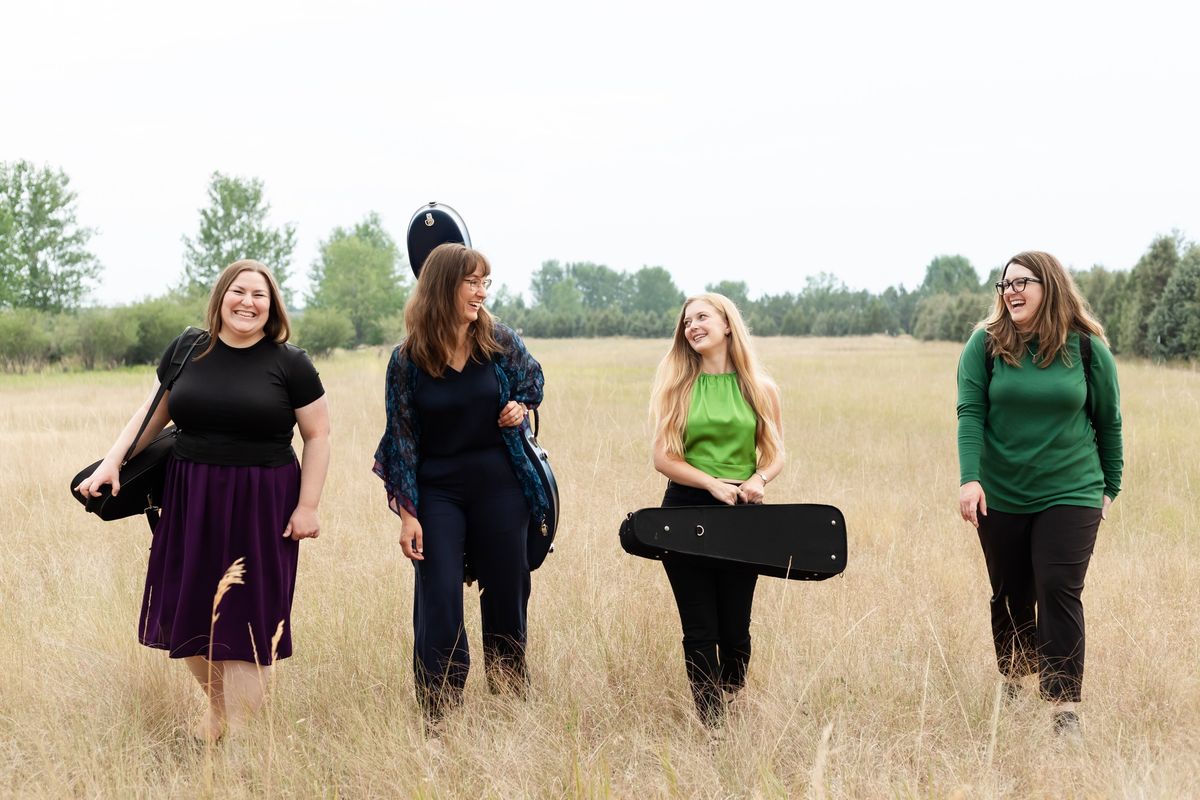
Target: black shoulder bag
[{"x": 143, "y": 475}]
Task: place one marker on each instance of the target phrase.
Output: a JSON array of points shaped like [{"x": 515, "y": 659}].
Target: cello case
[
  {"x": 798, "y": 541},
  {"x": 431, "y": 225},
  {"x": 540, "y": 540}
]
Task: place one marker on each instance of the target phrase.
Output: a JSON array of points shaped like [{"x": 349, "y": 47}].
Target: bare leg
[
  {"x": 212, "y": 724},
  {"x": 245, "y": 690}
]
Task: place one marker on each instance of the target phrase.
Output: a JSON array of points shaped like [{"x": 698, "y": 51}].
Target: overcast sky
[{"x": 750, "y": 141}]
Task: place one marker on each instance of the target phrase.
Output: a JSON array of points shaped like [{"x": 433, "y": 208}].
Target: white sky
[{"x": 748, "y": 141}]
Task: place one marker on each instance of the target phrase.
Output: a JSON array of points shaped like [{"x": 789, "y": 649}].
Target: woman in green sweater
[
  {"x": 719, "y": 440},
  {"x": 1040, "y": 458}
]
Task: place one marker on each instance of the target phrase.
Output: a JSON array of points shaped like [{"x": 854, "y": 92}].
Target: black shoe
[{"x": 1066, "y": 725}]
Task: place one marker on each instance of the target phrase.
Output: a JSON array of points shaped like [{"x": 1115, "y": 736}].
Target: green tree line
[{"x": 359, "y": 282}]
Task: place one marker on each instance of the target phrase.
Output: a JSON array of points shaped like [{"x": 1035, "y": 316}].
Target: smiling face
[
  {"x": 245, "y": 308},
  {"x": 1022, "y": 306},
  {"x": 472, "y": 292},
  {"x": 704, "y": 328}
]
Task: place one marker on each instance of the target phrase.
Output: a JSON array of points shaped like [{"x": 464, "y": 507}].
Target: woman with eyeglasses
[
  {"x": 1040, "y": 459},
  {"x": 718, "y": 439},
  {"x": 451, "y": 458}
]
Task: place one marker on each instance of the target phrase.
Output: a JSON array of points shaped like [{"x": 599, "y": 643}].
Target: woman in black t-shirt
[
  {"x": 458, "y": 390},
  {"x": 236, "y": 502}
]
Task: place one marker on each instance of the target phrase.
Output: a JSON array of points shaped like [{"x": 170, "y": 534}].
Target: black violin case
[{"x": 798, "y": 541}]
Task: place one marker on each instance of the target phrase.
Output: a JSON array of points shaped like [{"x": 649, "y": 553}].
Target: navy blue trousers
[
  {"x": 714, "y": 602},
  {"x": 471, "y": 506}
]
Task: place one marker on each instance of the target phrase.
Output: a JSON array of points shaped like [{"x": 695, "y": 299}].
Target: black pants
[
  {"x": 1036, "y": 564},
  {"x": 470, "y": 505},
  {"x": 714, "y": 604}
]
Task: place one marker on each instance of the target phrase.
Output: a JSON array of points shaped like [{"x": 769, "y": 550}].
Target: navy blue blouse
[
  {"x": 455, "y": 412},
  {"x": 519, "y": 377}
]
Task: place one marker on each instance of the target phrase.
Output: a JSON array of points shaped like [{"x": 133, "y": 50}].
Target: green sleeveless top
[{"x": 719, "y": 436}]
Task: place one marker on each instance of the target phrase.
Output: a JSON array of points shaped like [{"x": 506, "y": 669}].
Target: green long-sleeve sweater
[{"x": 1028, "y": 441}]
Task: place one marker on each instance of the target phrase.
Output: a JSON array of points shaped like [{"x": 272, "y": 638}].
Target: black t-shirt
[
  {"x": 236, "y": 406},
  {"x": 458, "y": 412}
]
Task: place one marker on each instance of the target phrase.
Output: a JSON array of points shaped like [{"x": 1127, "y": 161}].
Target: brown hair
[
  {"x": 1063, "y": 310},
  {"x": 278, "y": 327},
  {"x": 432, "y": 315}
]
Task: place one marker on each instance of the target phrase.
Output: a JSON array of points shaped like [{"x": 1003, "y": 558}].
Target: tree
[
  {"x": 233, "y": 227},
  {"x": 656, "y": 292},
  {"x": 1174, "y": 327},
  {"x": 949, "y": 275},
  {"x": 44, "y": 260},
  {"x": 737, "y": 291},
  {"x": 949, "y": 317},
  {"x": 599, "y": 286},
  {"x": 902, "y": 305},
  {"x": 1143, "y": 289},
  {"x": 1105, "y": 293},
  {"x": 358, "y": 274}
]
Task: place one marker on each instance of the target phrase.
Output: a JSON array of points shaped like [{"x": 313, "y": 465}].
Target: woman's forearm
[{"x": 314, "y": 465}]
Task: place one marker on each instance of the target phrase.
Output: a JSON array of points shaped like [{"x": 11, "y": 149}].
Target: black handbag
[
  {"x": 142, "y": 476},
  {"x": 798, "y": 541},
  {"x": 540, "y": 539}
]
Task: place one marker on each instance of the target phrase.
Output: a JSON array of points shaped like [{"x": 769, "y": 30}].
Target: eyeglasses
[
  {"x": 476, "y": 284},
  {"x": 1016, "y": 284}
]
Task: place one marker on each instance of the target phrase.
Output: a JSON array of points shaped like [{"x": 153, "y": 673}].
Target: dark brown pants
[{"x": 1036, "y": 564}]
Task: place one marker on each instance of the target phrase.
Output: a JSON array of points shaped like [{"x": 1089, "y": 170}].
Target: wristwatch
[{"x": 763, "y": 476}]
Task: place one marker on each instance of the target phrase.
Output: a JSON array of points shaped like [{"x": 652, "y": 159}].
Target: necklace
[{"x": 1033, "y": 353}]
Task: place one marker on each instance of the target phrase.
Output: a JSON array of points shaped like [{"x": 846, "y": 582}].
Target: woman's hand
[
  {"x": 108, "y": 472},
  {"x": 727, "y": 493},
  {"x": 972, "y": 502},
  {"x": 304, "y": 524},
  {"x": 411, "y": 539},
  {"x": 752, "y": 489},
  {"x": 512, "y": 414},
  {"x": 1108, "y": 501}
]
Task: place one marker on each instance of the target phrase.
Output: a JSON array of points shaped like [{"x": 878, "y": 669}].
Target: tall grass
[{"x": 879, "y": 683}]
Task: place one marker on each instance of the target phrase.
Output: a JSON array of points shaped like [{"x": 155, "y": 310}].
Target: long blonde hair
[
  {"x": 432, "y": 315},
  {"x": 1063, "y": 310},
  {"x": 278, "y": 327},
  {"x": 676, "y": 375}
]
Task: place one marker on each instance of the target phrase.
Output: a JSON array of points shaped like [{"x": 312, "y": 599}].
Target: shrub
[
  {"x": 24, "y": 343},
  {"x": 106, "y": 335},
  {"x": 321, "y": 330}
]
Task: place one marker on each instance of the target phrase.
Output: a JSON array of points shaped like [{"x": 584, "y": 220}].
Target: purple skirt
[{"x": 211, "y": 516}]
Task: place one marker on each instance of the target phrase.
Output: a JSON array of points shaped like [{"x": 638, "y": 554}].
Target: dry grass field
[{"x": 879, "y": 683}]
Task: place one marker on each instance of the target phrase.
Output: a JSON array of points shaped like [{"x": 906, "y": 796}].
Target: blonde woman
[
  {"x": 719, "y": 440},
  {"x": 1040, "y": 458}
]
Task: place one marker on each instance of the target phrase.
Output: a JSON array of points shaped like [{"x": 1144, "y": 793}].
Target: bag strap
[
  {"x": 191, "y": 336},
  {"x": 1085, "y": 355}
]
